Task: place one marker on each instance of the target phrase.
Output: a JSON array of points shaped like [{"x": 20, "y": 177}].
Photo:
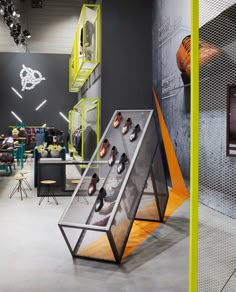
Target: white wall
[{"x": 52, "y": 27}]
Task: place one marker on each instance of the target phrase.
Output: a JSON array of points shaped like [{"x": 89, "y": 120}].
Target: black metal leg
[
  {"x": 24, "y": 191},
  {"x": 27, "y": 183},
  {"x": 14, "y": 190},
  {"x": 47, "y": 193},
  {"x": 41, "y": 199},
  {"x": 53, "y": 196},
  {"x": 20, "y": 188}
]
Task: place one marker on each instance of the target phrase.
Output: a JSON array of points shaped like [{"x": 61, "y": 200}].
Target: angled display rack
[
  {"x": 115, "y": 188},
  {"x": 85, "y": 55}
]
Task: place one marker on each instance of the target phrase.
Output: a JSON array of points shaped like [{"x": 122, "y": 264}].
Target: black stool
[{"x": 48, "y": 191}]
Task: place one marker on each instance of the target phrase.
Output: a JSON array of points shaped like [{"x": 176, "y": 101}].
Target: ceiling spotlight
[
  {"x": 27, "y": 34},
  {"x": 11, "y": 10},
  {"x": 11, "y": 17},
  {"x": 22, "y": 40},
  {"x": 44, "y": 125}
]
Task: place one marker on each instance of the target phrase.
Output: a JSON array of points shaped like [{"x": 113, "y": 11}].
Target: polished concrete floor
[{"x": 34, "y": 256}]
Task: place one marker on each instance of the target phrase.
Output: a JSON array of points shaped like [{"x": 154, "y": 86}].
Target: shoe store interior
[{"x": 95, "y": 146}]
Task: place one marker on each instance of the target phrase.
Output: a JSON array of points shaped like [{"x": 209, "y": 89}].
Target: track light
[
  {"x": 11, "y": 10},
  {"x": 16, "y": 116},
  {"x": 11, "y": 16},
  {"x": 41, "y": 104},
  {"x": 27, "y": 34},
  {"x": 64, "y": 117},
  {"x": 16, "y": 92}
]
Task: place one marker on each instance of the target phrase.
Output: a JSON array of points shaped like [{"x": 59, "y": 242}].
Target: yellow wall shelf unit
[
  {"x": 84, "y": 125},
  {"x": 85, "y": 55}
]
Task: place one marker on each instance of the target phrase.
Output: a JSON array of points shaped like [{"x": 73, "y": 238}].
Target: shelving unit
[
  {"x": 103, "y": 235},
  {"x": 85, "y": 116},
  {"x": 85, "y": 55}
]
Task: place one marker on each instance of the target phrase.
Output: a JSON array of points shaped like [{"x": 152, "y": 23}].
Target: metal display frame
[
  {"x": 144, "y": 156},
  {"x": 80, "y": 65},
  {"x": 83, "y": 107}
]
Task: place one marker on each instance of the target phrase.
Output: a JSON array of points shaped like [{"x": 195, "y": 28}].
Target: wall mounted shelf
[{"x": 85, "y": 55}]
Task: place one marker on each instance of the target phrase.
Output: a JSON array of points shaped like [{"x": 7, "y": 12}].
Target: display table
[{"x": 56, "y": 170}]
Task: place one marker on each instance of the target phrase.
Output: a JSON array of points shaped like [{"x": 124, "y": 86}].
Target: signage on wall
[{"x": 30, "y": 78}]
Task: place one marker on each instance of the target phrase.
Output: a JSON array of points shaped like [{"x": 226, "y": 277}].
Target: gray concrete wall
[{"x": 170, "y": 26}]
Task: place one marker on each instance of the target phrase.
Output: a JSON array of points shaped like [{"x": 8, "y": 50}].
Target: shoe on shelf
[
  {"x": 99, "y": 202},
  {"x": 103, "y": 148},
  {"x": 121, "y": 166},
  {"x": 135, "y": 132},
  {"x": 126, "y": 126},
  {"x": 92, "y": 186},
  {"x": 112, "y": 157},
  {"x": 117, "y": 120}
]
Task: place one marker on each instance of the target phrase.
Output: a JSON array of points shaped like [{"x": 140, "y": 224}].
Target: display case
[
  {"x": 85, "y": 55},
  {"x": 98, "y": 227},
  {"x": 84, "y": 126},
  {"x": 38, "y": 157}
]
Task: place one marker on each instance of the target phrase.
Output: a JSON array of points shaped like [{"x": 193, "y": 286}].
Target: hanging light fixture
[{"x": 11, "y": 17}]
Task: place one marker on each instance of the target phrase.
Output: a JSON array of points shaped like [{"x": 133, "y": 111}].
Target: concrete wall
[{"x": 170, "y": 26}]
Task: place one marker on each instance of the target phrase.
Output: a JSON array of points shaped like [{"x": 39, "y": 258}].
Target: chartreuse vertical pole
[{"x": 194, "y": 149}]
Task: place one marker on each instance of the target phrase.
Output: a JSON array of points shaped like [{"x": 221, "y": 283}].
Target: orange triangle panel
[{"x": 176, "y": 176}]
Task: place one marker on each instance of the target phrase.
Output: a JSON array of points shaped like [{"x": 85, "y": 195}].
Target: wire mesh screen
[{"x": 217, "y": 183}]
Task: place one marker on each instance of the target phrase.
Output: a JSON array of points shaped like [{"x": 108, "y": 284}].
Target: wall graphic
[
  {"x": 170, "y": 26},
  {"x": 30, "y": 78}
]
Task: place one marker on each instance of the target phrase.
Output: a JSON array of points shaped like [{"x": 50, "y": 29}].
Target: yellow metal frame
[
  {"x": 80, "y": 106},
  {"x": 78, "y": 73},
  {"x": 194, "y": 151}
]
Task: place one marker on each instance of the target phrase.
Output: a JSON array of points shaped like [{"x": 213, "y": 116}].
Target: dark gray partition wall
[
  {"x": 103, "y": 235},
  {"x": 126, "y": 56},
  {"x": 54, "y": 89}
]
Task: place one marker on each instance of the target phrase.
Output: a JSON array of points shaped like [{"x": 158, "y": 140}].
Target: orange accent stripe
[{"x": 177, "y": 180}]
